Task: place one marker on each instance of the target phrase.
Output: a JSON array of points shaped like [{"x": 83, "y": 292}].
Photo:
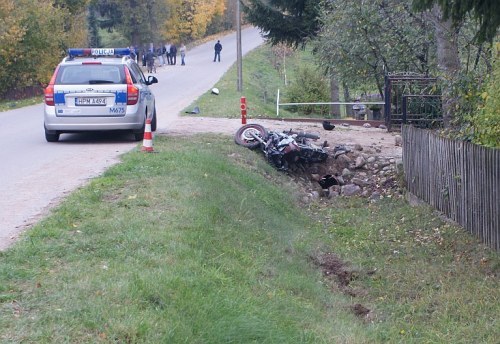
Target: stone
[
  {"x": 350, "y": 190},
  {"x": 367, "y": 125},
  {"x": 315, "y": 195},
  {"x": 398, "y": 140},
  {"x": 333, "y": 194},
  {"x": 360, "y": 162},
  {"x": 360, "y": 182},
  {"x": 371, "y": 159},
  {"x": 344, "y": 160},
  {"x": 358, "y": 147},
  {"x": 340, "y": 179},
  {"x": 346, "y": 172},
  {"x": 382, "y": 126}
]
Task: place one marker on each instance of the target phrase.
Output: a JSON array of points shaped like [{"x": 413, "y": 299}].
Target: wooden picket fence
[{"x": 460, "y": 179}]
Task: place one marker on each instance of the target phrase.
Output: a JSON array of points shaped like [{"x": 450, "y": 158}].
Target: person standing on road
[
  {"x": 217, "y": 48},
  {"x": 173, "y": 53},
  {"x": 182, "y": 50},
  {"x": 167, "y": 49}
]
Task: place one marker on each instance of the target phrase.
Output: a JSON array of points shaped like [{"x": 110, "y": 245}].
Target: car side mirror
[{"x": 151, "y": 80}]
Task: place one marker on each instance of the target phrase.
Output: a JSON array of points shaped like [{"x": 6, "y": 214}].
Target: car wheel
[
  {"x": 139, "y": 134},
  {"x": 153, "y": 121},
  {"x": 51, "y": 136}
]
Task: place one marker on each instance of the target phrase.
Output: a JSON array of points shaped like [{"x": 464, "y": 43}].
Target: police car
[{"x": 98, "y": 90}]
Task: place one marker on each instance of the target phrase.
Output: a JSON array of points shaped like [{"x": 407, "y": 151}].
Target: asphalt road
[{"x": 36, "y": 175}]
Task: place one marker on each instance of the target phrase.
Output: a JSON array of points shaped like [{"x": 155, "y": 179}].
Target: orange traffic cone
[{"x": 147, "y": 144}]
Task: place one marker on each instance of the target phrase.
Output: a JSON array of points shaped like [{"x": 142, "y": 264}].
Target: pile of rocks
[{"x": 353, "y": 171}]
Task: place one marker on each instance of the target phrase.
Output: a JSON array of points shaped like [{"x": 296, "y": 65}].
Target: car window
[
  {"x": 135, "y": 70},
  {"x": 90, "y": 74}
]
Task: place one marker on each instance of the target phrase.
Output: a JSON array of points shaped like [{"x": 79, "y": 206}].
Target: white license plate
[{"x": 90, "y": 101}]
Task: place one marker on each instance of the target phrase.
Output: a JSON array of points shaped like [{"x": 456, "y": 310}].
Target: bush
[
  {"x": 486, "y": 124},
  {"x": 309, "y": 87}
]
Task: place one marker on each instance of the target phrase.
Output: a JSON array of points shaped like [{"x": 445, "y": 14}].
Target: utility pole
[{"x": 238, "y": 48}]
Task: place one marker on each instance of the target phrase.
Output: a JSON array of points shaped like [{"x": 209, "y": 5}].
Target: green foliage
[
  {"x": 284, "y": 21},
  {"x": 486, "y": 122},
  {"x": 36, "y": 36},
  {"x": 264, "y": 73},
  {"x": 486, "y": 12},
  {"x": 309, "y": 86},
  {"x": 158, "y": 21},
  {"x": 361, "y": 41}
]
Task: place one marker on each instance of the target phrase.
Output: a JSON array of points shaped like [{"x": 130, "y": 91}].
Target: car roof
[
  {"x": 103, "y": 60},
  {"x": 103, "y": 55}
]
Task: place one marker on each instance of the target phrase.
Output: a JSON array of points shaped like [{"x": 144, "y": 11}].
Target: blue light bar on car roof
[{"x": 98, "y": 51}]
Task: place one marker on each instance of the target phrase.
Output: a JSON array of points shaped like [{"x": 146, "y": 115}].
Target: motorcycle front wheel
[{"x": 244, "y": 136}]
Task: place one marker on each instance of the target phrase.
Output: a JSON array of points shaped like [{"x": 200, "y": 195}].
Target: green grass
[
  {"x": 261, "y": 81},
  {"x": 6, "y": 105},
  {"x": 203, "y": 242}
]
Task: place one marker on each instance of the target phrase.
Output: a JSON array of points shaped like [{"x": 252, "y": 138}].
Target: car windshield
[{"x": 90, "y": 74}]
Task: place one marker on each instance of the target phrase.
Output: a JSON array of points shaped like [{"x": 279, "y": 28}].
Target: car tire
[
  {"x": 154, "y": 121},
  {"x": 139, "y": 134},
  {"x": 51, "y": 136}
]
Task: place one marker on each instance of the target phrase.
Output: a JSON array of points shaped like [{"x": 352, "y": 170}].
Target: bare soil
[{"x": 377, "y": 141}]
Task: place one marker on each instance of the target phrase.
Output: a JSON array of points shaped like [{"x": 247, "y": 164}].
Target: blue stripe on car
[
  {"x": 121, "y": 98},
  {"x": 59, "y": 98}
]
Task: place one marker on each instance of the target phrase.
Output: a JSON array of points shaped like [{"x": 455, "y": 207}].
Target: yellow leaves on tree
[
  {"x": 33, "y": 36},
  {"x": 189, "y": 19},
  {"x": 11, "y": 33}
]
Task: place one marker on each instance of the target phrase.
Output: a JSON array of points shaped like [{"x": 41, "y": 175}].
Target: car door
[{"x": 146, "y": 97}]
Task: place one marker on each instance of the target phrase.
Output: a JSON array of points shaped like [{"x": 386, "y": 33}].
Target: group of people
[{"x": 167, "y": 54}]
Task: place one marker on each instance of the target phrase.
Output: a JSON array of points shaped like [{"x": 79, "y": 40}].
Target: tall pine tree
[{"x": 284, "y": 21}]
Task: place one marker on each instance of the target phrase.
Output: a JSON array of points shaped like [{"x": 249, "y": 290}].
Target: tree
[
  {"x": 189, "y": 19},
  {"x": 359, "y": 42},
  {"x": 284, "y": 21},
  {"x": 33, "y": 39},
  {"x": 487, "y": 13},
  {"x": 134, "y": 19}
]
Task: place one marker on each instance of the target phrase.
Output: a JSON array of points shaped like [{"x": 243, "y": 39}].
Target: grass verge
[
  {"x": 203, "y": 242},
  {"x": 6, "y": 105},
  {"x": 262, "y": 77}
]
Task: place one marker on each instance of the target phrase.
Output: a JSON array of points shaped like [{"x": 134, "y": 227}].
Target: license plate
[{"x": 90, "y": 101}]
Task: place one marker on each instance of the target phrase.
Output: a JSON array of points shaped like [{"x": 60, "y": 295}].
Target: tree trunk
[
  {"x": 347, "y": 99},
  {"x": 334, "y": 96},
  {"x": 448, "y": 61}
]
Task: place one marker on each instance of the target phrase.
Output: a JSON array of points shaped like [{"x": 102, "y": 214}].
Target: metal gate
[{"x": 412, "y": 98}]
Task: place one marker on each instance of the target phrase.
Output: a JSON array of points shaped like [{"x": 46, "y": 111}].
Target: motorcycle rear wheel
[{"x": 243, "y": 136}]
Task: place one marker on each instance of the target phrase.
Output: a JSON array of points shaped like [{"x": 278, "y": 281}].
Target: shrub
[
  {"x": 486, "y": 123},
  {"x": 309, "y": 86}
]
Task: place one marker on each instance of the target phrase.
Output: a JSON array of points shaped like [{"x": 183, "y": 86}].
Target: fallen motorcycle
[{"x": 282, "y": 149}]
